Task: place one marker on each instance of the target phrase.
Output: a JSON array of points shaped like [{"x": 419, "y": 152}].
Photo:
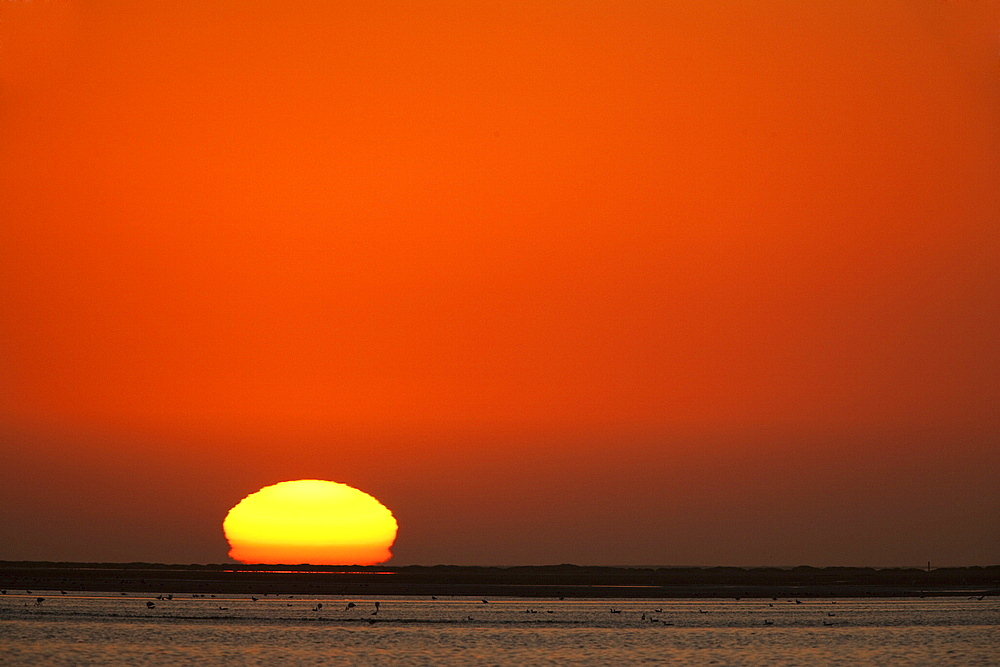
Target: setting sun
[{"x": 310, "y": 521}]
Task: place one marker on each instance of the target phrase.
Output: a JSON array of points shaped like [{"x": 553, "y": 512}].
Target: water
[{"x": 114, "y": 629}]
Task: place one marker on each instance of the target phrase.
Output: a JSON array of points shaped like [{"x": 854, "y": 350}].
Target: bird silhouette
[
  {"x": 350, "y": 605},
  {"x": 150, "y": 605}
]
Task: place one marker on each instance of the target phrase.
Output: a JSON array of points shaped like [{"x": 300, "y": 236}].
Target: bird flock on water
[{"x": 353, "y": 608}]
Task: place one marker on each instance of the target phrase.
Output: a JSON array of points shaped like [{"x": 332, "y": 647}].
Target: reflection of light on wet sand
[{"x": 408, "y": 631}]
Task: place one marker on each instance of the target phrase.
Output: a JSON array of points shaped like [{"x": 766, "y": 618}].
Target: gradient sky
[{"x": 674, "y": 283}]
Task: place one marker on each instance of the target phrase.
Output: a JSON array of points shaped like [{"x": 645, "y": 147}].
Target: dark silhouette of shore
[{"x": 568, "y": 581}]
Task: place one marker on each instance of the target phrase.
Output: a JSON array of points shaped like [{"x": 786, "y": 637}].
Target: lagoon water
[{"x": 115, "y": 629}]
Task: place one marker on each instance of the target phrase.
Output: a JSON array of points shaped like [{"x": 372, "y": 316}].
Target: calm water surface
[{"x": 114, "y": 629}]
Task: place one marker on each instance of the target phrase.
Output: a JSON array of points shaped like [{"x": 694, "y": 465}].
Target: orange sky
[{"x": 637, "y": 282}]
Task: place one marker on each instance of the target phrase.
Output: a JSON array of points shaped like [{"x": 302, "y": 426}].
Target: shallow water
[{"x": 109, "y": 628}]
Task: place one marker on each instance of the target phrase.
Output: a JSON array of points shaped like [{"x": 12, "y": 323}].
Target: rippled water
[{"x": 109, "y": 628}]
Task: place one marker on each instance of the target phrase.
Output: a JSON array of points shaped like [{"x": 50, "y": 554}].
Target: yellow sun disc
[{"x": 310, "y": 521}]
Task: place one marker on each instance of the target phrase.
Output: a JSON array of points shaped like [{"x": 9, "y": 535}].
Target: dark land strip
[{"x": 568, "y": 581}]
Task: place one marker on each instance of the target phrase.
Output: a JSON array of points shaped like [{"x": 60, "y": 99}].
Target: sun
[{"x": 310, "y": 521}]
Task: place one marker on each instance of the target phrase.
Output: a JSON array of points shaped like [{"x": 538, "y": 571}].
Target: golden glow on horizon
[
  {"x": 735, "y": 260},
  {"x": 310, "y": 521}
]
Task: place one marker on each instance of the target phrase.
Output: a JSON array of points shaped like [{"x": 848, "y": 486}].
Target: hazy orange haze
[{"x": 637, "y": 282}]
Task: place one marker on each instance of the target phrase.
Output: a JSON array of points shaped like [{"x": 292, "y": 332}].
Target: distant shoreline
[{"x": 568, "y": 581}]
